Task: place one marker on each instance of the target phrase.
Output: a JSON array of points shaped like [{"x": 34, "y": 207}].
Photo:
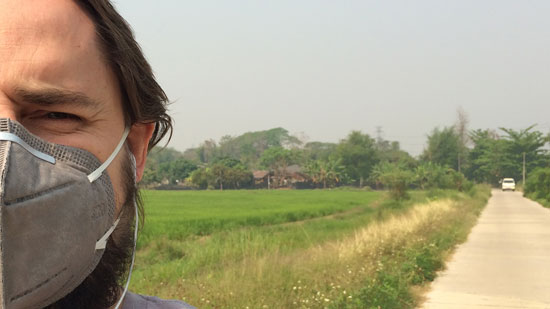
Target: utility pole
[
  {"x": 379, "y": 134},
  {"x": 523, "y": 169}
]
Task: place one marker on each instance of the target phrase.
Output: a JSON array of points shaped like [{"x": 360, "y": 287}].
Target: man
[{"x": 79, "y": 110}]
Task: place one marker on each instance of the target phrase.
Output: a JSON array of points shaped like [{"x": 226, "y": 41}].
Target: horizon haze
[{"x": 322, "y": 68}]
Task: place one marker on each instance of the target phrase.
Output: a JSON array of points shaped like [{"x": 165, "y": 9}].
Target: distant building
[
  {"x": 261, "y": 179},
  {"x": 293, "y": 174},
  {"x": 289, "y": 177}
]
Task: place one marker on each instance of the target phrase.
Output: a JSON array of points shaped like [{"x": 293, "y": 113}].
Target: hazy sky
[{"x": 323, "y": 68}]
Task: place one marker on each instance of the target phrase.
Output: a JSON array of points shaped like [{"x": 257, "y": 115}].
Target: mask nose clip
[{"x": 6, "y": 136}]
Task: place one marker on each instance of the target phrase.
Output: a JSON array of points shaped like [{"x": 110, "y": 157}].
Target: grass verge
[
  {"x": 416, "y": 249},
  {"x": 544, "y": 202}
]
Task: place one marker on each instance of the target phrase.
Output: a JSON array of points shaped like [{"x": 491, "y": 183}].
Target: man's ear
[{"x": 138, "y": 140}]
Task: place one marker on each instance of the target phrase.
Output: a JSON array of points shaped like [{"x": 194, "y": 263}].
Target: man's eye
[{"x": 61, "y": 116}]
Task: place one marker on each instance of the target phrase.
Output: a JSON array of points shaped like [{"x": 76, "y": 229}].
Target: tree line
[{"x": 454, "y": 157}]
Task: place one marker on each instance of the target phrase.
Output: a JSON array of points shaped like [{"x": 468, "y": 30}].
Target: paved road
[{"x": 504, "y": 264}]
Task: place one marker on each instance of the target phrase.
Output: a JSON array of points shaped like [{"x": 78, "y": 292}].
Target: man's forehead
[
  {"x": 50, "y": 44},
  {"x": 25, "y": 20},
  {"x": 35, "y": 31}
]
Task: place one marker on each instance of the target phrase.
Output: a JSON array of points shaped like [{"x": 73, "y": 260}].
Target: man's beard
[{"x": 101, "y": 289}]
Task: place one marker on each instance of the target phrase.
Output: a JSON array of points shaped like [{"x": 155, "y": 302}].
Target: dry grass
[{"x": 396, "y": 231}]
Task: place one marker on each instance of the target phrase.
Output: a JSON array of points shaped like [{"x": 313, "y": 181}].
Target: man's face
[{"x": 55, "y": 81}]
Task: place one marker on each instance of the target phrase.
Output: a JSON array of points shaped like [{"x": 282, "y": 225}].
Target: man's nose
[{"x": 8, "y": 108}]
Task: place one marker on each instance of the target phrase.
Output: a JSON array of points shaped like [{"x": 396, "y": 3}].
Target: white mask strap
[
  {"x": 102, "y": 242},
  {"x": 133, "y": 259},
  {"x": 97, "y": 173}
]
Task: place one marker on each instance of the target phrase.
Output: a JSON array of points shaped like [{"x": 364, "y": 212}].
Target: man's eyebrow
[{"x": 53, "y": 97}]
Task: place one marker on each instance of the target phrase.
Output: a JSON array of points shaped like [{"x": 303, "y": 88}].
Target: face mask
[{"x": 57, "y": 209}]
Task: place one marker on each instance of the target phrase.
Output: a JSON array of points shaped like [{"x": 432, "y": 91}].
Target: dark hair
[{"x": 143, "y": 99}]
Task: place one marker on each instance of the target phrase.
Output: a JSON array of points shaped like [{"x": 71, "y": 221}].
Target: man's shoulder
[{"x": 136, "y": 301}]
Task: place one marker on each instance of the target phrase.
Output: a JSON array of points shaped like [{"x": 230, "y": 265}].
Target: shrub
[
  {"x": 387, "y": 290},
  {"x": 395, "y": 178},
  {"x": 537, "y": 185},
  {"x": 434, "y": 176}
]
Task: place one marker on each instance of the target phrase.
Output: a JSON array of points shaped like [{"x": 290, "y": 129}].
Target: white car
[{"x": 508, "y": 184}]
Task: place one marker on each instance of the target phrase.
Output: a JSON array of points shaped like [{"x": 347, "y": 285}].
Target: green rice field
[{"x": 181, "y": 214}]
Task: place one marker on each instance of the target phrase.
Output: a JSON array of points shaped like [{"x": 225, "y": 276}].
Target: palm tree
[
  {"x": 313, "y": 170},
  {"x": 331, "y": 171}
]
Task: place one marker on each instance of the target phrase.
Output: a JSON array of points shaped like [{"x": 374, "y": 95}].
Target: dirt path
[{"x": 504, "y": 264}]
